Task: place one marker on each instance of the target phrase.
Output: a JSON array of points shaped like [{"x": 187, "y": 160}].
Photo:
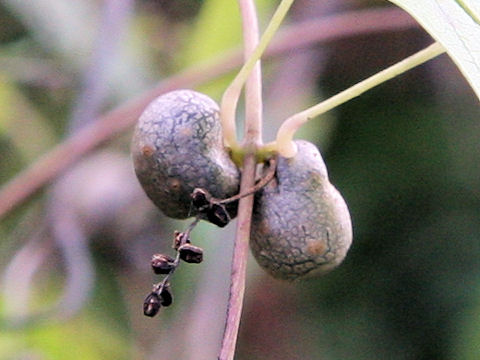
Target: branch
[
  {"x": 53, "y": 163},
  {"x": 253, "y": 126}
]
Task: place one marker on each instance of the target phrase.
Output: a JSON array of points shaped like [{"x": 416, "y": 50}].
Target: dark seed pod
[
  {"x": 200, "y": 199},
  {"x": 218, "y": 215},
  {"x": 162, "y": 264},
  {"x": 151, "y": 305},
  {"x": 177, "y": 147},
  {"x": 166, "y": 297},
  {"x": 215, "y": 213},
  {"x": 301, "y": 225},
  {"x": 191, "y": 253}
]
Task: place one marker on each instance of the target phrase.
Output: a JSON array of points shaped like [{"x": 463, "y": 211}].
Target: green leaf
[{"x": 456, "y": 25}]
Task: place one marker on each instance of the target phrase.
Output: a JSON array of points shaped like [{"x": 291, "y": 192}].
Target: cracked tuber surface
[
  {"x": 178, "y": 146},
  {"x": 301, "y": 225}
]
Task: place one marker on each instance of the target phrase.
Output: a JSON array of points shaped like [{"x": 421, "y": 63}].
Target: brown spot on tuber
[
  {"x": 317, "y": 247},
  {"x": 174, "y": 184},
  {"x": 148, "y": 151}
]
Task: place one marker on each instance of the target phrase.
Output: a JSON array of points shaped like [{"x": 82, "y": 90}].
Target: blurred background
[{"x": 74, "y": 259}]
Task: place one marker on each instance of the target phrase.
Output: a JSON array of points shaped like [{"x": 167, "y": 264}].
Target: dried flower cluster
[{"x": 205, "y": 206}]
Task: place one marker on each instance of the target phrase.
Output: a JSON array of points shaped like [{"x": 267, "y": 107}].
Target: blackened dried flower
[
  {"x": 191, "y": 253},
  {"x": 201, "y": 199},
  {"x": 151, "y": 305},
  {"x": 162, "y": 264},
  {"x": 218, "y": 215},
  {"x": 166, "y": 297}
]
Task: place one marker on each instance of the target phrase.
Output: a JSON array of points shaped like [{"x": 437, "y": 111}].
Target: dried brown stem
[
  {"x": 53, "y": 163},
  {"x": 252, "y": 139},
  {"x": 239, "y": 263}
]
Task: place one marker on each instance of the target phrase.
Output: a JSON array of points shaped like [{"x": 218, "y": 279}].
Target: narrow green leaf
[{"x": 456, "y": 25}]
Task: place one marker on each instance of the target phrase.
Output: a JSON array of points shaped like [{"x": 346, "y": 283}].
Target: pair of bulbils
[{"x": 301, "y": 225}]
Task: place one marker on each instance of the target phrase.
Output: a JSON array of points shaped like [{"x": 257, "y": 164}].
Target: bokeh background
[{"x": 75, "y": 257}]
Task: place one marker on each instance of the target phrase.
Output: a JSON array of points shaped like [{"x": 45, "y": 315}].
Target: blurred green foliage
[{"x": 404, "y": 155}]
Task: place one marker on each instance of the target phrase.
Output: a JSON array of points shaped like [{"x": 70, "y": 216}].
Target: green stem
[
  {"x": 470, "y": 11},
  {"x": 284, "y": 144},
  {"x": 230, "y": 98}
]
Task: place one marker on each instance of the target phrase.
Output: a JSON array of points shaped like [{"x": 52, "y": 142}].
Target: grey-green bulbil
[
  {"x": 301, "y": 225},
  {"x": 177, "y": 147}
]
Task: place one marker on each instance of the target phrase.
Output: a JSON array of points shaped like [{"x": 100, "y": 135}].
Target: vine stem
[
  {"x": 284, "y": 144},
  {"x": 231, "y": 95},
  {"x": 252, "y": 139}
]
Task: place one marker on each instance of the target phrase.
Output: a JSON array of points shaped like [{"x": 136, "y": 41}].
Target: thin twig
[
  {"x": 253, "y": 85},
  {"x": 239, "y": 263},
  {"x": 57, "y": 160},
  {"x": 252, "y": 139},
  {"x": 260, "y": 184},
  {"x": 184, "y": 238}
]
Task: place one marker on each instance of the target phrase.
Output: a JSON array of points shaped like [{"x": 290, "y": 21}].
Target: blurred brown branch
[{"x": 53, "y": 163}]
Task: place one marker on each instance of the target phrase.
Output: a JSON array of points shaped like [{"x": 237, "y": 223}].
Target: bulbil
[
  {"x": 301, "y": 225},
  {"x": 178, "y": 147}
]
